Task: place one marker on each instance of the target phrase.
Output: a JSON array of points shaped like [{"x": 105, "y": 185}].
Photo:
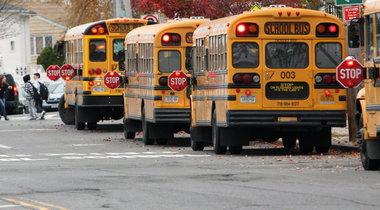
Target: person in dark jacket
[{"x": 3, "y": 89}]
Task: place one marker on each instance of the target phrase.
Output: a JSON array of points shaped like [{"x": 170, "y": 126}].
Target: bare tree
[
  {"x": 85, "y": 11},
  {"x": 9, "y": 10}
]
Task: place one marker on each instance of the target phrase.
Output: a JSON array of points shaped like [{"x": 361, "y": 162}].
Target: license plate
[
  {"x": 248, "y": 99},
  {"x": 287, "y": 119},
  {"x": 98, "y": 89},
  {"x": 54, "y": 106},
  {"x": 171, "y": 99},
  {"x": 327, "y": 100}
]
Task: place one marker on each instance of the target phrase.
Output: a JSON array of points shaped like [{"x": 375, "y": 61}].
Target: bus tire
[
  {"x": 196, "y": 136},
  {"x": 147, "y": 139},
  {"x": 67, "y": 115},
  {"x": 368, "y": 164},
  {"x": 197, "y": 145},
  {"x": 162, "y": 141},
  {"x": 289, "y": 142},
  {"x": 92, "y": 125},
  {"x": 235, "y": 150},
  {"x": 216, "y": 137},
  {"x": 306, "y": 144},
  {"x": 128, "y": 134},
  {"x": 78, "y": 125},
  {"x": 323, "y": 141}
]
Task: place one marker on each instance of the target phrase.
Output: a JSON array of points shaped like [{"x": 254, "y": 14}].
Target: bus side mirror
[
  {"x": 189, "y": 58},
  {"x": 355, "y": 33},
  {"x": 80, "y": 72},
  {"x": 125, "y": 80},
  {"x": 193, "y": 81},
  {"x": 121, "y": 60}
]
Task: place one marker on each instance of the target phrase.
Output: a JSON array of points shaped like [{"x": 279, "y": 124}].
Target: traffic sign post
[
  {"x": 67, "y": 72},
  {"x": 348, "y": 2},
  {"x": 350, "y": 13},
  {"x": 112, "y": 80},
  {"x": 177, "y": 81},
  {"x": 350, "y": 73},
  {"x": 53, "y": 72}
]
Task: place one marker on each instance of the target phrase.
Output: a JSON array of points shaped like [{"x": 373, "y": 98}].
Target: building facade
[{"x": 15, "y": 40}]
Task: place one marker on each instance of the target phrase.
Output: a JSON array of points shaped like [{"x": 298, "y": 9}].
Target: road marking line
[
  {"x": 26, "y": 130},
  {"x": 130, "y": 156},
  {"x": 33, "y": 204},
  {"x": 8, "y": 206},
  {"x": 85, "y": 145},
  {"x": 5, "y": 147},
  {"x": 48, "y": 205},
  {"x": 63, "y": 154},
  {"x": 26, "y": 204}
]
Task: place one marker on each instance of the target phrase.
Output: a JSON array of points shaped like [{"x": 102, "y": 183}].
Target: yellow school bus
[
  {"x": 368, "y": 98},
  {"x": 268, "y": 74},
  {"x": 152, "y": 54},
  {"x": 93, "y": 50}
]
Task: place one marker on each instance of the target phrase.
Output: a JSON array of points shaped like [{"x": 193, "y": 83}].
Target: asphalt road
[{"x": 47, "y": 165}]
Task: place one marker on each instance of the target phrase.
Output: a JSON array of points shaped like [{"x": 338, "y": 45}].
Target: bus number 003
[{"x": 288, "y": 75}]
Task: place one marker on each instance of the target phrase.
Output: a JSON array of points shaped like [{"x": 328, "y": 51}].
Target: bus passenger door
[{"x": 287, "y": 74}]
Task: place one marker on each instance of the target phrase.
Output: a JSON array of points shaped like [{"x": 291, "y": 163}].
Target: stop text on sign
[
  {"x": 53, "y": 72},
  {"x": 67, "y": 72},
  {"x": 112, "y": 80},
  {"x": 350, "y": 73},
  {"x": 177, "y": 81}
]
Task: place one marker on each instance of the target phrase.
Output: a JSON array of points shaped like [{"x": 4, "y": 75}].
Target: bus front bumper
[
  {"x": 286, "y": 118},
  {"x": 102, "y": 101},
  {"x": 172, "y": 116}
]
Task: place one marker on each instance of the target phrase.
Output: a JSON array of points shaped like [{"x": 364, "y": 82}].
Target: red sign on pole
[
  {"x": 112, "y": 80},
  {"x": 53, "y": 72},
  {"x": 67, "y": 72},
  {"x": 349, "y": 73},
  {"x": 352, "y": 12},
  {"x": 177, "y": 81}
]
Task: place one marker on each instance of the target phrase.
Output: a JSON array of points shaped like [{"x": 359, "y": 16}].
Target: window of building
[{"x": 37, "y": 44}]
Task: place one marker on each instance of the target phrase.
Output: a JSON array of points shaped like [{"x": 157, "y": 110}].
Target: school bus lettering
[
  {"x": 122, "y": 27},
  {"x": 287, "y": 28}
]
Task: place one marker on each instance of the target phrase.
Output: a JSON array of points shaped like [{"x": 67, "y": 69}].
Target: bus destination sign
[
  {"x": 122, "y": 27},
  {"x": 287, "y": 28}
]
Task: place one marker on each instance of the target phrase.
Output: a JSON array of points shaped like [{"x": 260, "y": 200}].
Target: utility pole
[{"x": 123, "y": 8}]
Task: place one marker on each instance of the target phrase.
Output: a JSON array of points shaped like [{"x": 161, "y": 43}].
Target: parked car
[
  {"x": 22, "y": 99},
  {"x": 12, "y": 102},
  {"x": 55, "y": 93}
]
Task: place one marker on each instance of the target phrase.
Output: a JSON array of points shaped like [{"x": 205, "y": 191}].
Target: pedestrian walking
[
  {"x": 41, "y": 88},
  {"x": 3, "y": 89},
  {"x": 31, "y": 92}
]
